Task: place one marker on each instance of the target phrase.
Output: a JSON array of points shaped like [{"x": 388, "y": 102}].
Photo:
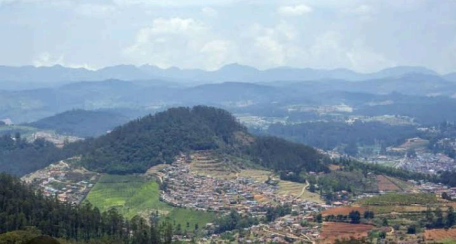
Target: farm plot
[
  {"x": 440, "y": 235},
  {"x": 332, "y": 231},
  {"x": 343, "y": 210},
  {"x": 385, "y": 184}
]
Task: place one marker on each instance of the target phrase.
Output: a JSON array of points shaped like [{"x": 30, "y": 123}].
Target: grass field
[{"x": 132, "y": 195}]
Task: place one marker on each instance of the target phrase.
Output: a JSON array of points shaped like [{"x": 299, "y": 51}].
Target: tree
[
  {"x": 439, "y": 220},
  {"x": 351, "y": 149},
  {"x": 369, "y": 215},
  {"x": 451, "y": 217},
  {"x": 21, "y": 207},
  {"x": 411, "y": 230},
  {"x": 355, "y": 217},
  {"x": 312, "y": 188},
  {"x": 179, "y": 229}
]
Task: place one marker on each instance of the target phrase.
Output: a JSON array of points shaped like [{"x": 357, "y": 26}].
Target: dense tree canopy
[
  {"x": 282, "y": 155},
  {"x": 19, "y": 157},
  {"x": 158, "y": 138},
  {"x": 21, "y": 207},
  {"x": 328, "y": 135}
]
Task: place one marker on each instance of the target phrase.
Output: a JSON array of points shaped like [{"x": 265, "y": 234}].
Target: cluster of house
[
  {"x": 63, "y": 181},
  {"x": 182, "y": 188},
  {"x": 287, "y": 229},
  {"x": 428, "y": 163},
  {"x": 438, "y": 189}
]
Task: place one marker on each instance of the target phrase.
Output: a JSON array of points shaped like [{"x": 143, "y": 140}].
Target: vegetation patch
[
  {"x": 132, "y": 195},
  {"x": 401, "y": 199}
]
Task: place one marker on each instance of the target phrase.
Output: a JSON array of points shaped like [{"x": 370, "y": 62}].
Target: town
[{"x": 65, "y": 180}]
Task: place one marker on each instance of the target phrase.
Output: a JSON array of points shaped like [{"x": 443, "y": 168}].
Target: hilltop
[{"x": 156, "y": 139}]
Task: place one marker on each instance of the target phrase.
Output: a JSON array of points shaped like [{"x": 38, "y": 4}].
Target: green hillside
[{"x": 159, "y": 138}]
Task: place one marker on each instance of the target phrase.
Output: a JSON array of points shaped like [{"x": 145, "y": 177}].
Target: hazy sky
[{"x": 363, "y": 35}]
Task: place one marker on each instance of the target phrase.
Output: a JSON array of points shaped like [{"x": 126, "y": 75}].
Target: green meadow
[{"x": 133, "y": 195}]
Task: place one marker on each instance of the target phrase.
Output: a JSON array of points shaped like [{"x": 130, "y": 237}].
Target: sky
[{"x": 362, "y": 35}]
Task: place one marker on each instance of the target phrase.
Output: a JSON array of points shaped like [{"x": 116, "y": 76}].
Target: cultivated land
[
  {"x": 344, "y": 210},
  {"x": 133, "y": 195},
  {"x": 401, "y": 199},
  {"x": 441, "y": 235},
  {"x": 385, "y": 184},
  {"x": 285, "y": 187},
  {"x": 332, "y": 231}
]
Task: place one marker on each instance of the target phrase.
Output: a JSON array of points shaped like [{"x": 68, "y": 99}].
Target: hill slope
[
  {"x": 152, "y": 140},
  {"x": 81, "y": 123}
]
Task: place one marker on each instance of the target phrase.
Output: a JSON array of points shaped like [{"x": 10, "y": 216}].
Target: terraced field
[
  {"x": 133, "y": 195},
  {"x": 206, "y": 163},
  {"x": 285, "y": 187}
]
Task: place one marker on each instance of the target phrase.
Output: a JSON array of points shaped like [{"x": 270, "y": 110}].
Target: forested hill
[
  {"x": 81, "y": 123},
  {"x": 159, "y": 138},
  {"x": 155, "y": 139}
]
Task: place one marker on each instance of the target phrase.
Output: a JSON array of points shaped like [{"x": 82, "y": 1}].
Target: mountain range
[{"x": 34, "y": 77}]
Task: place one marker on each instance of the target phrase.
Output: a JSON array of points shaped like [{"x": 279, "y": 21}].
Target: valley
[
  {"x": 227, "y": 122},
  {"x": 219, "y": 183}
]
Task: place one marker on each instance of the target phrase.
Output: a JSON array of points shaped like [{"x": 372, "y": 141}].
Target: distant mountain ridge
[
  {"x": 143, "y": 97},
  {"x": 232, "y": 72}
]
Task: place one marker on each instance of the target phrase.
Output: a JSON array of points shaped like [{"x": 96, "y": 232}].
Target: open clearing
[
  {"x": 385, "y": 184},
  {"x": 332, "y": 231},
  {"x": 132, "y": 195},
  {"x": 440, "y": 235}
]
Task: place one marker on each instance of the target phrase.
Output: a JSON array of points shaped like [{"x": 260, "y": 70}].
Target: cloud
[
  {"x": 46, "y": 59},
  {"x": 95, "y": 10},
  {"x": 363, "y": 58},
  {"x": 296, "y": 10},
  {"x": 362, "y": 9},
  {"x": 210, "y": 12},
  {"x": 219, "y": 53},
  {"x": 173, "y": 3},
  {"x": 273, "y": 46},
  {"x": 4, "y": 2},
  {"x": 186, "y": 43}
]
